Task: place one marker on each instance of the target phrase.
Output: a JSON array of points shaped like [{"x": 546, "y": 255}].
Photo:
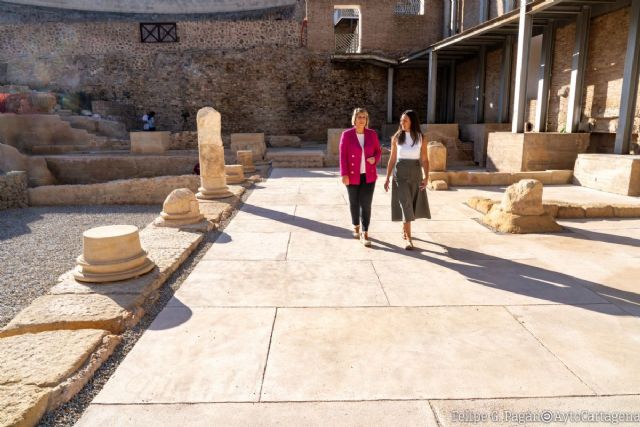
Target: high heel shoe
[
  {"x": 365, "y": 239},
  {"x": 409, "y": 244}
]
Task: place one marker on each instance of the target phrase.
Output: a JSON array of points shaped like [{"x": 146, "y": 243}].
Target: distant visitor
[{"x": 149, "y": 121}]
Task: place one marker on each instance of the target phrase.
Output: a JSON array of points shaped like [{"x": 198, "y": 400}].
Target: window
[
  {"x": 158, "y": 32},
  {"x": 410, "y": 7},
  {"x": 346, "y": 27}
]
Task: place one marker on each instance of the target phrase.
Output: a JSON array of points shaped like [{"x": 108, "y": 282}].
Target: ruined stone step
[{"x": 295, "y": 157}]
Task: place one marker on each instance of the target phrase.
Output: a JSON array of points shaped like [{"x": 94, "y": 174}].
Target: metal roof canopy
[{"x": 494, "y": 31}]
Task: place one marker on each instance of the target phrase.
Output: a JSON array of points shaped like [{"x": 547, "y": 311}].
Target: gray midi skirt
[{"x": 407, "y": 201}]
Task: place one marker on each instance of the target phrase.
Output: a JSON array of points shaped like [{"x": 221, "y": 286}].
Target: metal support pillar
[
  {"x": 454, "y": 18},
  {"x": 544, "y": 78},
  {"x": 629, "y": 83},
  {"x": 574, "y": 108},
  {"x": 505, "y": 80},
  {"x": 522, "y": 65},
  {"x": 481, "y": 72},
  {"x": 431, "y": 90},
  {"x": 451, "y": 92},
  {"x": 390, "y": 95},
  {"x": 446, "y": 28},
  {"x": 484, "y": 11}
]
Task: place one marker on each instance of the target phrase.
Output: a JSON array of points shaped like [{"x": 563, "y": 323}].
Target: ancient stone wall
[
  {"x": 13, "y": 190},
  {"x": 381, "y": 29},
  {"x": 254, "y": 72}
]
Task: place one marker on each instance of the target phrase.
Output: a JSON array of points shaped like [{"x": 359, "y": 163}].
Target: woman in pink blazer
[{"x": 359, "y": 156}]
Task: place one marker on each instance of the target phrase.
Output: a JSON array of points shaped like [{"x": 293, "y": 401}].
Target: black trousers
[{"x": 360, "y": 198}]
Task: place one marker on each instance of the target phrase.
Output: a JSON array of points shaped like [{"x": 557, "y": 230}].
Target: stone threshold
[
  {"x": 52, "y": 348},
  {"x": 566, "y": 210}
]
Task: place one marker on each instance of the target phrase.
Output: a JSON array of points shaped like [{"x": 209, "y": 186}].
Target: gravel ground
[
  {"x": 69, "y": 413},
  {"x": 39, "y": 244}
]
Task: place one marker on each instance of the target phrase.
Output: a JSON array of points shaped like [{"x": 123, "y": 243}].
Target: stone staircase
[{"x": 90, "y": 135}]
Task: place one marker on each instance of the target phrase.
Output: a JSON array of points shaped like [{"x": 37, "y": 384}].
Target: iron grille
[
  {"x": 164, "y": 32},
  {"x": 410, "y": 7}
]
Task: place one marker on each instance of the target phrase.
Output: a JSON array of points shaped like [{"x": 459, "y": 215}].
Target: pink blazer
[{"x": 351, "y": 154}]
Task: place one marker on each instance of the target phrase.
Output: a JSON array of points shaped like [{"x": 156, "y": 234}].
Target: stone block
[
  {"x": 278, "y": 141},
  {"x": 30, "y": 103},
  {"x": 36, "y": 168},
  {"x": 333, "y": 141},
  {"x": 438, "y": 185},
  {"x": 506, "y": 222},
  {"x": 598, "y": 211},
  {"x": 481, "y": 204},
  {"x": 235, "y": 174},
  {"x": 180, "y": 208},
  {"x": 150, "y": 142},
  {"x": 253, "y": 142},
  {"x": 613, "y": 173},
  {"x": 22, "y": 404},
  {"x": 523, "y": 198},
  {"x": 570, "y": 211},
  {"x": 521, "y": 152},
  {"x": 113, "y": 313},
  {"x": 442, "y": 176},
  {"x": 629, "y": 211},
  {"x": 437, "y": 154},
  {"x": 478, "y": 133}
]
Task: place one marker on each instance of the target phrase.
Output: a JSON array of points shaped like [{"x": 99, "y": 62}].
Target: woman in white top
[{"x": 410, "y": 167}]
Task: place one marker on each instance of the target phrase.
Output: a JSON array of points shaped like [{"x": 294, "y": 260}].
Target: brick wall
[
  {"x": 13, "y": 190},
  {"x": 492, "y": 86},
  {"x": 465, "y": 91},
  {"x": 382, "y": 31},
  {"x": 410, "y": 92},
  {"x": 561, "y": 78},
  {"x": 603, "y": 76}
]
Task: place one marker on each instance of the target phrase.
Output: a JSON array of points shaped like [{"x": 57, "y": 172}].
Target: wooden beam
[
  {"x": 544, "y": 78},
  {"x": 522, "y": 65},
  {"x": 629, "y": 83},
  {"x": 574, "y": 109}
]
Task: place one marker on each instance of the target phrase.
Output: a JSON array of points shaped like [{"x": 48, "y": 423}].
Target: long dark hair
[{"x": 414, "y": 130}]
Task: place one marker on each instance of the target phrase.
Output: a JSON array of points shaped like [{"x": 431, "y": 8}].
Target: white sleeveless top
[{"x": 406, "y": 151}]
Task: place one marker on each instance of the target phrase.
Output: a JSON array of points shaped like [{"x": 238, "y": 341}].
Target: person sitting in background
[{"x": 148, "y": 120}]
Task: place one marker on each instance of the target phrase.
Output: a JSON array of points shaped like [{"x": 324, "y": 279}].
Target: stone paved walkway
[{"x": 288, "y": 320}]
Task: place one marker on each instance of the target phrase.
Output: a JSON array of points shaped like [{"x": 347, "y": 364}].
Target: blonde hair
[{"x": 357, "y": 111}]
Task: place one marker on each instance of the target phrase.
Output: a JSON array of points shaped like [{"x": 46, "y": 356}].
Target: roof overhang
[
  {"x": 365, "y": 58},
  {"x": 494, "y": 32}
]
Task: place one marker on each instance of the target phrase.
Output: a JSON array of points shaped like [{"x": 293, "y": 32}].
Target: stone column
[{"x": 212, "y": 175}]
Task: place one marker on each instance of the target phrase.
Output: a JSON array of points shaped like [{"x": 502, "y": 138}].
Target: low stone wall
[
  {"x": 93, "y": 169},
  {"x": 13, "y": 190},
  {"x": 613, "y": 173},
  {"x": 143, "y": 191},
  {"x": 479, "y": 135},
  {"x": 186, "y": 140},
  {"x": 522, "y": 152},
  {"x": 483, "y": 178}
]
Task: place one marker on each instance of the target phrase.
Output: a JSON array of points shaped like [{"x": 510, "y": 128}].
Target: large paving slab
[
  {"x": 282, "y": 284},
  {"x": 572, "y": 411},
  {"x": 409, "y": 353},
  {"x": 249, "y": 246},
  {"x": 308, "y": 414},
  {"x": 438, "y": 282},
  {"x": 599, "y": 343},
  {"x": 195, "y": 355}
]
